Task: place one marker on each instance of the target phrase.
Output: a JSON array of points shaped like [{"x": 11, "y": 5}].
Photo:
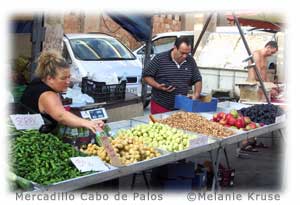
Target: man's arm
[
  {"x": 150, "y": 81},
  {"x": 251, "y": 72},
  {"x": 197, "y": 90}
]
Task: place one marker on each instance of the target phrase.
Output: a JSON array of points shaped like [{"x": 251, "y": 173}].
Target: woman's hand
[{"x": 94, "y": 125}]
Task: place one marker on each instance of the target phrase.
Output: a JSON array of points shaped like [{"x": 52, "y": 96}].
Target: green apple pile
[{"x": 160, "y": 136}]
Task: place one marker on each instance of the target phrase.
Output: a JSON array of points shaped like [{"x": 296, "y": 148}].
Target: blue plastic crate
[
  {"x": 184, "y": 103},
  {"x": 200, "y": 180},
  {"x": 177, "y": 184},
  {"x": 175, "y": 170}
]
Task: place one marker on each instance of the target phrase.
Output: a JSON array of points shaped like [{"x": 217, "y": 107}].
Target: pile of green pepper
[{"x": 42, "y": 158}]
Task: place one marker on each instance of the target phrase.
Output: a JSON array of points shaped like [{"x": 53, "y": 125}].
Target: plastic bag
[
  {"x": 78, "y": 98},
  {"x": 108, "y": 79}
]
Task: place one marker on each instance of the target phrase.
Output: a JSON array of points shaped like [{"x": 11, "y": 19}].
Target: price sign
[
  {"x": 85, "y": 164},
  {"x": 202, "y": 140},
  {"x": 115, "y": 160},
  {"x": 27, "y": 121}
]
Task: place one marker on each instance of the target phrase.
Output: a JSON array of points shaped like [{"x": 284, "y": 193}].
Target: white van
[
  {"x": 100, "y": 54},
  {"x": 163, "y": 42},
  {"x": 215, "y": 74}
]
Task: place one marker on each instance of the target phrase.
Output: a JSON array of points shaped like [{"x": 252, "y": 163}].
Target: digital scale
[{"x": 94, "y": 114}]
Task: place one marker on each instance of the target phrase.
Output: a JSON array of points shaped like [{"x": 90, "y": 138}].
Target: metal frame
[
  {"x": 213, "y": 148},
  {"x": 37, "y": 38},
  {"x": 246, "y": 46}
]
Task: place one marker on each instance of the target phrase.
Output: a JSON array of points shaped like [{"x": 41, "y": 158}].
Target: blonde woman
[{"x": 42, "y": 94}]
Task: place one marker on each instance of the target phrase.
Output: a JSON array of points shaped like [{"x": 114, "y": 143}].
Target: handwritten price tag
[
  {"x": 27, "y": 121},
  {"x": 202, "y": 140},
  {"x": 85, "y": 164},
  {"x": 115, "y": 160}
]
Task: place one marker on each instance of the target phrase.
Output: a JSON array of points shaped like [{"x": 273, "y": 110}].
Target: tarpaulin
[{"x": 137, "y": 25}]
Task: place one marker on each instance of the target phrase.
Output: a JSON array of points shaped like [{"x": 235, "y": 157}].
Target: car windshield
[{"x": 100, "y": 49}]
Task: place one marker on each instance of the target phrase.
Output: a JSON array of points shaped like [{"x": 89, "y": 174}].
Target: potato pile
[
  {"x": 196, "y": 123},
  {"x": 129, "y": 149}
]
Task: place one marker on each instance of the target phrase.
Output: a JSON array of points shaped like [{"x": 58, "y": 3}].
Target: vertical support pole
[
  {"x": 147, "y": 60},
  {"x": 251, "y": 58},
  {"x": 37, "y": 37},
  {"x": 202, "y": 33}
]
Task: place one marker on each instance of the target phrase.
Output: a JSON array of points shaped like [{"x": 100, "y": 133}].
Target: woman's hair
[{"x": 48, "y": 62}]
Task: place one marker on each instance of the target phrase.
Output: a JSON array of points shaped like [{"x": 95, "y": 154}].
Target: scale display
[{"x": 95, "y": 114}]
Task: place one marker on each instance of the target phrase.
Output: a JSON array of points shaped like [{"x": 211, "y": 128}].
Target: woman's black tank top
[{"x": 31, "y": 95}]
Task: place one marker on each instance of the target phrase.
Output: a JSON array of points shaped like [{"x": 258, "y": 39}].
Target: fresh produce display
[
  {"x": 42, "y": 158},
  {"x": 129, "y": 149},
  {"x": 196, "y": 123},
  {"x": 263, "y": 113},
  {"x": 160, "y": 136},
  {"x": 18, "y": 182},
  {"x": 235, "y": 120}
]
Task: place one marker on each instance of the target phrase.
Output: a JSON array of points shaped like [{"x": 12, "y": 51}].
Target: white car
[{"x": 102, "y": 55}]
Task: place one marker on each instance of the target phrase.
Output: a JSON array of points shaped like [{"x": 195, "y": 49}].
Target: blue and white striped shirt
[{"x": 164, "y": 70}]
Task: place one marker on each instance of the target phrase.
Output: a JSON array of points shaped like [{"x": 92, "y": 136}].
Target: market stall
[{"x": 198, "y": 143}]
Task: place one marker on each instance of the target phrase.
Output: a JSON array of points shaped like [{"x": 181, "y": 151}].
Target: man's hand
[
  {"x": 195, "y": 97},
  {"x": 166, "y": 88},
  {"x": 274, "y": 93}
]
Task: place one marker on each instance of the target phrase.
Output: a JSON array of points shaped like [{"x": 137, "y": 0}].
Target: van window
[
  {"x": 160, "y": 45},
  {"x": 100, "y": 49},
  {"x": 163, "y": 44}
]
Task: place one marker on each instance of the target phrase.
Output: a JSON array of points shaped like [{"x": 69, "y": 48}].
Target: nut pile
[
  {"x": 196, "y": 123},
  {"x": 129, "y": 149}
]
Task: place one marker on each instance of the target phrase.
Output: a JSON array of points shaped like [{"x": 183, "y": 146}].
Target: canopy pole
[
  {"x": 146, "y": 61},
  {"x": 251, "y": 58},
  {"x": 202, "y": 33}
]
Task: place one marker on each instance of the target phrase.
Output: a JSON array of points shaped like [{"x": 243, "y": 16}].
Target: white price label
[
  {"x": 27, "y": 121},
  {"x": 202, "y": 140},
  {"x": 85, "y": 164}
]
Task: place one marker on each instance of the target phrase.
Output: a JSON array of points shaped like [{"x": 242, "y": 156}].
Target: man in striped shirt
[{"x": 171, "y": 73}]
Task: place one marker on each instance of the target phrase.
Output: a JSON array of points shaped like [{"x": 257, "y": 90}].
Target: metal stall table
[{"x": 116, "y": 172}]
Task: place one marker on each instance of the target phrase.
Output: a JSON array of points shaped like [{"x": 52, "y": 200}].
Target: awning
[
  {"x": 259, "y": 20},
  {"x": 137, "y": 25}
]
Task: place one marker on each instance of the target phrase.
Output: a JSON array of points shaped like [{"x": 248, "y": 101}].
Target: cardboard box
[
  {"x": 252, "y": 91},
  {"x": 185, "y": 103}
]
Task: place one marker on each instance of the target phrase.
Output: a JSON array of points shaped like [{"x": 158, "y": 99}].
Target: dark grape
[{"x": 264, "y": 113}]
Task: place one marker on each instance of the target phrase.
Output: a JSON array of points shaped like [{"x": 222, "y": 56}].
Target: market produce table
[
  {"x": 238, "y": 137},
  {"x": 99, "y": 177},
  {"x": 213, "y": 145}
]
